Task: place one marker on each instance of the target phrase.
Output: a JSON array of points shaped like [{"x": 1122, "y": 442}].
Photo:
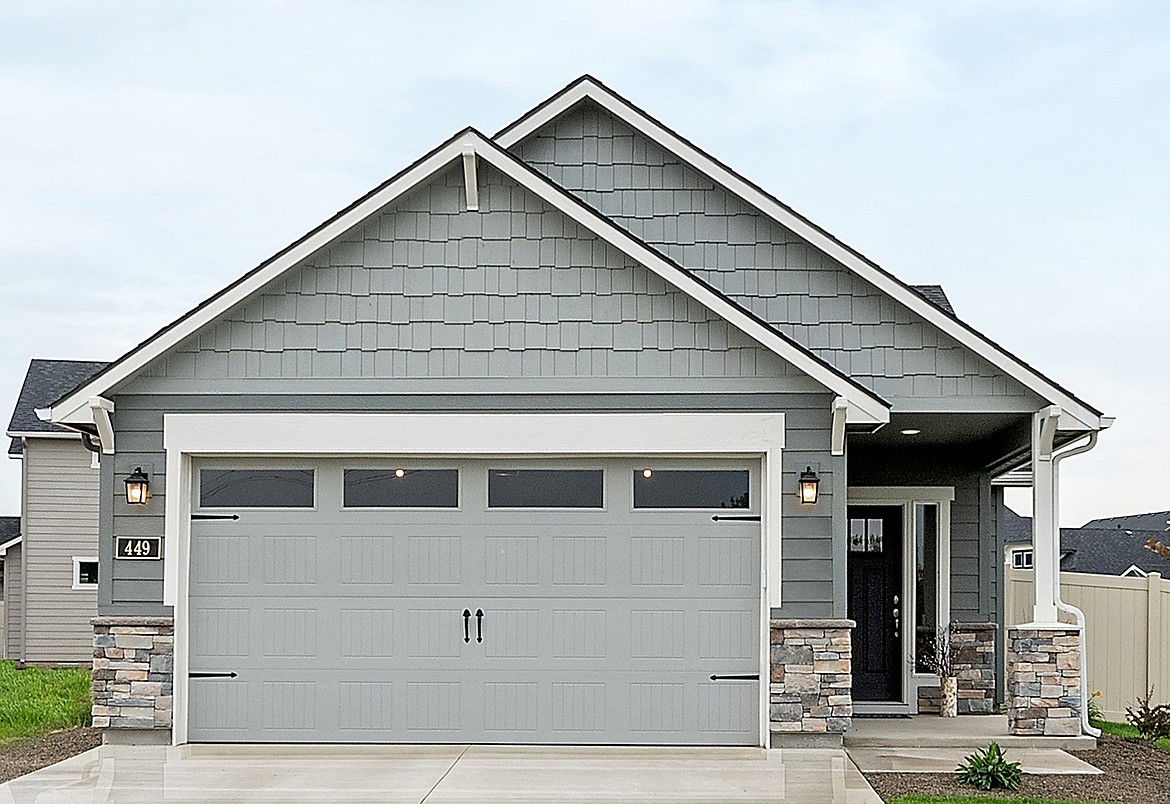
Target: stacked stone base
[
  {"x": 811, "y": 681},
  {"x": 1044, "y": 680},
  {"x": 973, "y": 655},
  {"x": 133, "y": 673}
]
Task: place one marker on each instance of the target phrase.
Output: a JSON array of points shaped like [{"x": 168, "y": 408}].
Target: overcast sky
[{"x": 1015, "y": 152}]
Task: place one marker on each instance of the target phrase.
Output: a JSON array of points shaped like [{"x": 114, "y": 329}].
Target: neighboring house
[
  {"x": 1155, "y": 521},
  {"x": 1112, "y": 549},
  {"x": 509, "y": 451},
  {"x": 9, "y": 536},
  {"x": 50, "y": 593}
]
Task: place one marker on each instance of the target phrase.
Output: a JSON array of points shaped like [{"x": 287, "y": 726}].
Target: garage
[{"x": 610, "y": 600}]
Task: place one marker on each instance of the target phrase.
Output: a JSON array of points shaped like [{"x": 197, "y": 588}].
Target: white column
[{"x": 1045, "y": 529}]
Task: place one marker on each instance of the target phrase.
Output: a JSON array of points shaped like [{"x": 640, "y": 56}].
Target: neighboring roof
[
  {"x": 45, "y": 381},
  {"x": 1158, "y": 520},
  {"x": 1016, "y": 529},
  {"x": 936, "y": 296},
  {"x": 9, "y": 528},
  {"x": 1107, "y": 551},
  {"x": 864, "y": 406},
  {"x": 587, "y": 87}
]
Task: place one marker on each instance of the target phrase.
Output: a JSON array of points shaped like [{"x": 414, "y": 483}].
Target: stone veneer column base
[
  {"x": 133, "y": 671},
  {"x": 973, "y": 653},
  {"x": 811, "y": 682},
  {"x": 1044, "y": 680}
]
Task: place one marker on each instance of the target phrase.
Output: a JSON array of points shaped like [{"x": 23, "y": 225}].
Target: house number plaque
[{"x": 138, "y": 547}]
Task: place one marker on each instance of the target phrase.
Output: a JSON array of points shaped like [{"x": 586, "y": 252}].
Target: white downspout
[{"x": 1068, "y": 608}]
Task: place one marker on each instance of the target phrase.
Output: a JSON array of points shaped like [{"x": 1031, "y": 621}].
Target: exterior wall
[
  {"x": 811, "y": 684},
  {"x": 761, "y": 264},
  {"x": 14, "y": 603},
  {"x": 133, "y": 672},
  {"x": 59, "y": 521}
]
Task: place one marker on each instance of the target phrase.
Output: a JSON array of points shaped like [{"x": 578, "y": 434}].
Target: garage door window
[
  {"x": 546, "y": 488},
  {"x": 401, "y": 488},
  {"x": 691, "y": 488},
  {"x": 256, "y": 488}
]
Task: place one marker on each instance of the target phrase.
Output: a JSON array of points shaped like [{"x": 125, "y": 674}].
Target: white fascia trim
[
  {"x": 864, "y": 407},
  {"x": 999, "y": 358},
  {"x": 10, "y": 543},
  {"x": 62, "y": 434}
]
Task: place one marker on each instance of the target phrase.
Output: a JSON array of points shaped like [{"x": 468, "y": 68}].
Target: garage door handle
[
  {"x": 466, "y": 625},
  {"x": 718, "y": 518},
  {"x": 743, "y": 677},
  {"x": 211, "y": 675},
  {"x": 479, "y": 625}
]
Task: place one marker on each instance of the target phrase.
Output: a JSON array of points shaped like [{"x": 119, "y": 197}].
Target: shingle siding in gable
[
  {"x": 763, "y": 265},
  {"x": 431, "y": 291}
]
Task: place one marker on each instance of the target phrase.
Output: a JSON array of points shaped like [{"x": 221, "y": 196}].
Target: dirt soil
[
  {"x": 1134, "y": 771},
  {"x": 19, "y": 757}
]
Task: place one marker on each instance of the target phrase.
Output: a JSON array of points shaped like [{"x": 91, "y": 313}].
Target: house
[
  {"x": 50, "y": 593},
  {"x": 1101, "y": 547},
  {"x": 567, "y": 435}
]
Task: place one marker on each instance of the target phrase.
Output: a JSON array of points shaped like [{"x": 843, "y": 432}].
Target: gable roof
[
  {"x": 936, "y": 296},
  {"x": 1158, "y": 521},
  {"x": 9, "y": 528},
  {"x": 865, "y": 407},
  {"x": 588, "y": 88},
  {"x": 45, "y": 381}
]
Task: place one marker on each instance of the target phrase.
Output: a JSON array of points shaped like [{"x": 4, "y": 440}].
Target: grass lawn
[
  {"x": 35, "y": 700},
  {"x": 1126, "y": 730}
]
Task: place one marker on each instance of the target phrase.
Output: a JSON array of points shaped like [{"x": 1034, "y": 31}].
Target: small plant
[
  {"x": 935, "y": 654},
  {"x": 1095, "y": 714},
  {"x": 1152, "y": 722},
  {"x": 989, "y": 770}
]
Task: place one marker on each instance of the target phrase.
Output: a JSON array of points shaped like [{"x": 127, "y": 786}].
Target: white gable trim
[
  {"x": 9, "y": 544},
  {"x": 587, "y": 87},
  {"x": 864, "y": 407}
]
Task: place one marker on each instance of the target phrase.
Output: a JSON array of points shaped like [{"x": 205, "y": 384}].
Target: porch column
[{"x": 1045, "y": 533}]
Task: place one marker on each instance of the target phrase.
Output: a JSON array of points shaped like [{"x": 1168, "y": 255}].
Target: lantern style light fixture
[
  {"x": 137, "y": 487},
  {"x": 809, "y": 483}
]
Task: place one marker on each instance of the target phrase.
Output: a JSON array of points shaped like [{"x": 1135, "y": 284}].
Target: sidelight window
[{"x": 926, "y": 581}]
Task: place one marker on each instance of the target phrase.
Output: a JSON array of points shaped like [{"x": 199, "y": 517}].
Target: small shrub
[
  {"x": 1095, "y": 714},
  {"x": 989, "y": 769},
  {"x": 1152, "y": 722}
]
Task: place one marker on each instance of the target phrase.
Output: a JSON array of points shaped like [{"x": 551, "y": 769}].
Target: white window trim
[
  {"x": 907, "y": 497},
  {"x": 1022, "y": 551},
  {"x": 77, "y": 584},
  {"x": 190, "y": 435}
]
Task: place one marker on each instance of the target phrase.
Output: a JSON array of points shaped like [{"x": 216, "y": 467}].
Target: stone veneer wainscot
[
  {"x": 973, "y": 654},
  {"x": 1044, "y": 682},
  {"x": 133, "y": 672},
  {"x": 811, "y": 681}
]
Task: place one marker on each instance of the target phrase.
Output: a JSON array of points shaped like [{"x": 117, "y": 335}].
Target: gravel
[
  {"x": 25, "y": 756},
  {"x": 1134, "y": 771}
]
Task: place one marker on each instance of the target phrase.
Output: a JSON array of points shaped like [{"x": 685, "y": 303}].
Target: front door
[{"x": 875, "y": 601}]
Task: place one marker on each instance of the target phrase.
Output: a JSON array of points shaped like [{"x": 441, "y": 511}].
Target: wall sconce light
[
  {"x": 137, "y": 487},
  {"x": 809, "y": 483}
]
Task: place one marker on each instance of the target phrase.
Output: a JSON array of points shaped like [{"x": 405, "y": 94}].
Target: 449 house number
[{"x": 138, "y": 547}]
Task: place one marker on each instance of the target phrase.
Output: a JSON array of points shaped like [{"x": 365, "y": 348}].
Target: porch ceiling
[{"x": 937, "y": 429}]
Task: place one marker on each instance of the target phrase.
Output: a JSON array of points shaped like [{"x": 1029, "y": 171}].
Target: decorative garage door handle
[
  {"x": 466, "y": 625},
  {"x": 718, "y": 518},
  {"x": 211, "y": 675},
  {"x": 742, "y": 677},
  {"x": 205, "y": 517},
  {"x": 479, "y": 625}
]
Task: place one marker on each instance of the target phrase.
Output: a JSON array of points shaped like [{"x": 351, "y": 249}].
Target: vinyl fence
[{"x": 1128, "y": 623}]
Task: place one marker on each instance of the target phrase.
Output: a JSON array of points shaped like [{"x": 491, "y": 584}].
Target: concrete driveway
[{"x": 442, "y": 775}]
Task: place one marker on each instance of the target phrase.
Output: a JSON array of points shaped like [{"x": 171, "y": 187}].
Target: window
[
  {"x": 256, "y": 488},
  {"x": 85, "y": 572},
  {"x": 1021, "y": 559},
  {"x": 401, "y": 488},
  {"x": 926, "y": 579},
  {"x": 691, "y": 488},
  {"x": 546, "y": 488}
]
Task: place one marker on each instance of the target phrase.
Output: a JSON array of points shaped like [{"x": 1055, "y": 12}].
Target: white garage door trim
[{"x": 460, "y": 434}]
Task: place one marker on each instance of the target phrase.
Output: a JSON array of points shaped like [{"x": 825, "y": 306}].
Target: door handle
[
  {"x": 479, "y": 625},
  {"x": 466, "y": 625},
  {"x": 897, "y": 612}
]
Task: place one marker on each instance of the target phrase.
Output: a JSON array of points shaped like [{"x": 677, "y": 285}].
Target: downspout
[{"x": 1068, "y": 608}]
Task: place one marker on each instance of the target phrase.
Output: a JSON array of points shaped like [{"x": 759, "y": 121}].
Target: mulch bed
[
  {"x": 1134, "y": 771},
  {"x": 25, "y": 756}
]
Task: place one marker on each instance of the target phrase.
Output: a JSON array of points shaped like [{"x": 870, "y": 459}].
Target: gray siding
[
  {"x": 763, "y": 265},
  {"x": 429, "y": 292},
  {"x": 13, "y": 604},
  {"x": 60, "y": 521}
]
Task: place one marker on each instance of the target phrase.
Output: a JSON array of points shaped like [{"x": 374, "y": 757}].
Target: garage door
[{"x": 495, "y": 601}]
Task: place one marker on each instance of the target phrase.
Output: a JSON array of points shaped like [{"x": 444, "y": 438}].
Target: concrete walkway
[{"x": 442, "y": 775}]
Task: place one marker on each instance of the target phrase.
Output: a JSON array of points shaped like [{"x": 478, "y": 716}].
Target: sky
[{"x": 1014, "y": 152}]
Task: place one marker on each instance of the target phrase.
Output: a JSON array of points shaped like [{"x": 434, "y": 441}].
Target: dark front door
[{"x": 875, "y": 601}]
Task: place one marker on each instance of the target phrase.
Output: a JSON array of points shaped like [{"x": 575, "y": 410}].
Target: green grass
[
  {"x": 35, "y": 700},
  {"x": 1125, "y": 730},
  {"x": 979, "y": 800}
]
